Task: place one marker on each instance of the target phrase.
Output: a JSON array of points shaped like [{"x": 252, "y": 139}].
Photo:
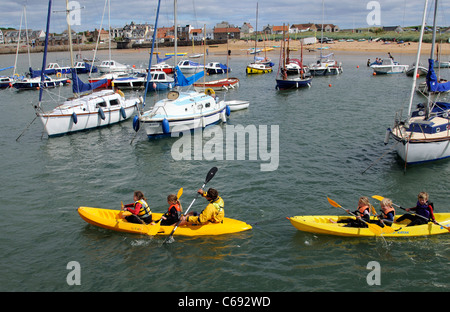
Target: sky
[{"x": 346, "y": 14}]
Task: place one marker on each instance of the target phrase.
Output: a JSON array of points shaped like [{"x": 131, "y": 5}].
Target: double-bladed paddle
[
  {"x": 209, "y": 176},
  {"x": 380, "y": 198},
  {"x": 372, "y": 227}
]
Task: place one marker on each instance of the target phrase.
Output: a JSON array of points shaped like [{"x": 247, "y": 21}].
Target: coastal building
[
  {"x": 228, "y": 32},
  {"x": 2, "y": 41},
  {"x": 247, "y": 28},
  {"x": 297, "y": 28}
]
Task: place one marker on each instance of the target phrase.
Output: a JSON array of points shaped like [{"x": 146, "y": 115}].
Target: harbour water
[{"x": 328, "y": 135}]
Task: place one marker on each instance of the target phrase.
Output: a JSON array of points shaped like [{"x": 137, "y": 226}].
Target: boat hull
[
  {"x": 261, "y": 70},
  {"x": 323, "y": 225},
  {"x": 94, "y": 110},
  {"x": 34, "y": 85},
  {"x": 284, "y": 84},
  {"x": 112, "y": 220},
  {"x": 236, "y": 105},
  {"x": 155, "y": 128},
  {"x": 395, "y": 69},
  {"x": 217, "y": 85}
]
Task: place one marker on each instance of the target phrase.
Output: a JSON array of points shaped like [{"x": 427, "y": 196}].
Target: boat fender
[
  {"x": 120, "y": 93},
  {"x": 165, "y": 126},
  {"x": 123, "y": 113},
  {"x": 210, "y": 92},
  {"x": 101, "y": 113},
  {"x": 228, "y": 110},
  {"x": 387, "y": 135},
  {"x": 136, "y": 123},
  {"x": 74, "y": 118}
]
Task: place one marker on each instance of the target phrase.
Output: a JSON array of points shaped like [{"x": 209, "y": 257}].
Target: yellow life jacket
[{"x": 145, "y": 211}]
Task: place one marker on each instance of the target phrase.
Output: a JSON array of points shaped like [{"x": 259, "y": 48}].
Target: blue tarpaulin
[{"x": 432, "y": 82}]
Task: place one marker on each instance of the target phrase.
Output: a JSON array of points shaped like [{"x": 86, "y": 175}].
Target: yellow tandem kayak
[
  {"x": 323, "y": 225},
  {"x": 113, "y": 220}
]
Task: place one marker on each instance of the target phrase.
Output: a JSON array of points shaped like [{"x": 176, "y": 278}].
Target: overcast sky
[{"x": 344, "y": 13}]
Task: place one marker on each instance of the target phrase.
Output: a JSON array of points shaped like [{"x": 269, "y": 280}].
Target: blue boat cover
[
  {"x": 79, "y": 86},
  {"x": 159, "y": 60},
  {"x": 183, "y": 81},
  {"x": 432, "y": 82}
]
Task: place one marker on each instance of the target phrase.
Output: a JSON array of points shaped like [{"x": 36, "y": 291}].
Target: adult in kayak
[
  {"x": 213, "y": 212},
  {"x": 362, "y": 213},
  {"x": 140, "y": 210},
  {"x": 423, "y": 208}
]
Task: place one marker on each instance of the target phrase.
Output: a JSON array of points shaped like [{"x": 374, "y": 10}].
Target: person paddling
[
  {"x": 140, "y": 210},
  {"x": 173, "y": 214},
  {"x": 387, "y": 213},
  {"x": 362, "y": 213},
  {"x": 423, "y": 211},
  {"x": 214, "y": 211}
]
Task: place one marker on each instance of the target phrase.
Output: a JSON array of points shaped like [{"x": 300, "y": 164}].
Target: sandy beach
[{"x": 241, "y": 47}]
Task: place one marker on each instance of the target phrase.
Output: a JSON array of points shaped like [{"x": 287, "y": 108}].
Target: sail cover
[
  {"x": 432, "y": 81},
  {"x": 79, "y": 86},
  {"x": 183, "y": 81}
]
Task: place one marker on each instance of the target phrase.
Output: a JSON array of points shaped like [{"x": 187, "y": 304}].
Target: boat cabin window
[
  {"x": 101, "y": 104},
  {"x": 207, "y": 104},
  {"x": 114, "y": 102}
]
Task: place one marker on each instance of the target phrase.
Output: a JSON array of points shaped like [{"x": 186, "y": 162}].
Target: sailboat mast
[
  {"x": 417, "y": 59},
  {"x": 175, "y": 30},
  {"x": 256, "y": 32},
  {"x": 70, "y": 34},
  {"x": 433, "y": 42},
  {"x": 44, "y": 59},
  {"x": 151, "y": 54}
]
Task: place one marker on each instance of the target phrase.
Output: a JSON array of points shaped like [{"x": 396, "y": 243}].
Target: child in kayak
[
  {"x": 362, "y": 213},
  {"x": 387, "y": 213},
  {"x": 423, "y": 208},
  {"x": 140, "y": 210},
  {"x": 173, "y": 214},
  {"x": 214, "y": 212}
]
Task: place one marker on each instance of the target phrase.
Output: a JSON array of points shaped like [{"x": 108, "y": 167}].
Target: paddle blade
[
  {"x": 378, "y": 197},
  {"x": 211, "y": 174},
  {"x": 387, "y": 230},
  {"x": 180, "y": 192},
  {"x": 333, "y": 203},
  {"x": 377, "y": 230}
]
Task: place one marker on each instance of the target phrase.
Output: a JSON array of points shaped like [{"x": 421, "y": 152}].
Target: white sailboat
[
  {"x": 425, "y": 134},
  {"x": 180, "y": 111},
  {"x": 91, "y": 110}
]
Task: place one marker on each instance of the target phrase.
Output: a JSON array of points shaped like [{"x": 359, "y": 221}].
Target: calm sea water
[{"x": 329, "y": 134}]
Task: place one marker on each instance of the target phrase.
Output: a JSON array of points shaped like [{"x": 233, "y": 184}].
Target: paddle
[
  {"x": 155, "y": 228},
  {"x": 380, "y": 198},
  {"x": 209, "y": 176},
  {"x": 372, "y": 227}
]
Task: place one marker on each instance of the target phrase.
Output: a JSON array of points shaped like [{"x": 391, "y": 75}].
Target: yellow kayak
[
  {"x": 113, "y": 220},
  {"x": 323, "y": 225}
]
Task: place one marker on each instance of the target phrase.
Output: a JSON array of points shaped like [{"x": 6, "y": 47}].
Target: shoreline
[{"x": 242, "y": 48}]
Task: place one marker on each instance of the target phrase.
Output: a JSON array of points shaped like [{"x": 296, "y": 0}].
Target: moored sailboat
[
  {"x": 88, "y": 111},
  {"x": 425, "y": 134}
]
